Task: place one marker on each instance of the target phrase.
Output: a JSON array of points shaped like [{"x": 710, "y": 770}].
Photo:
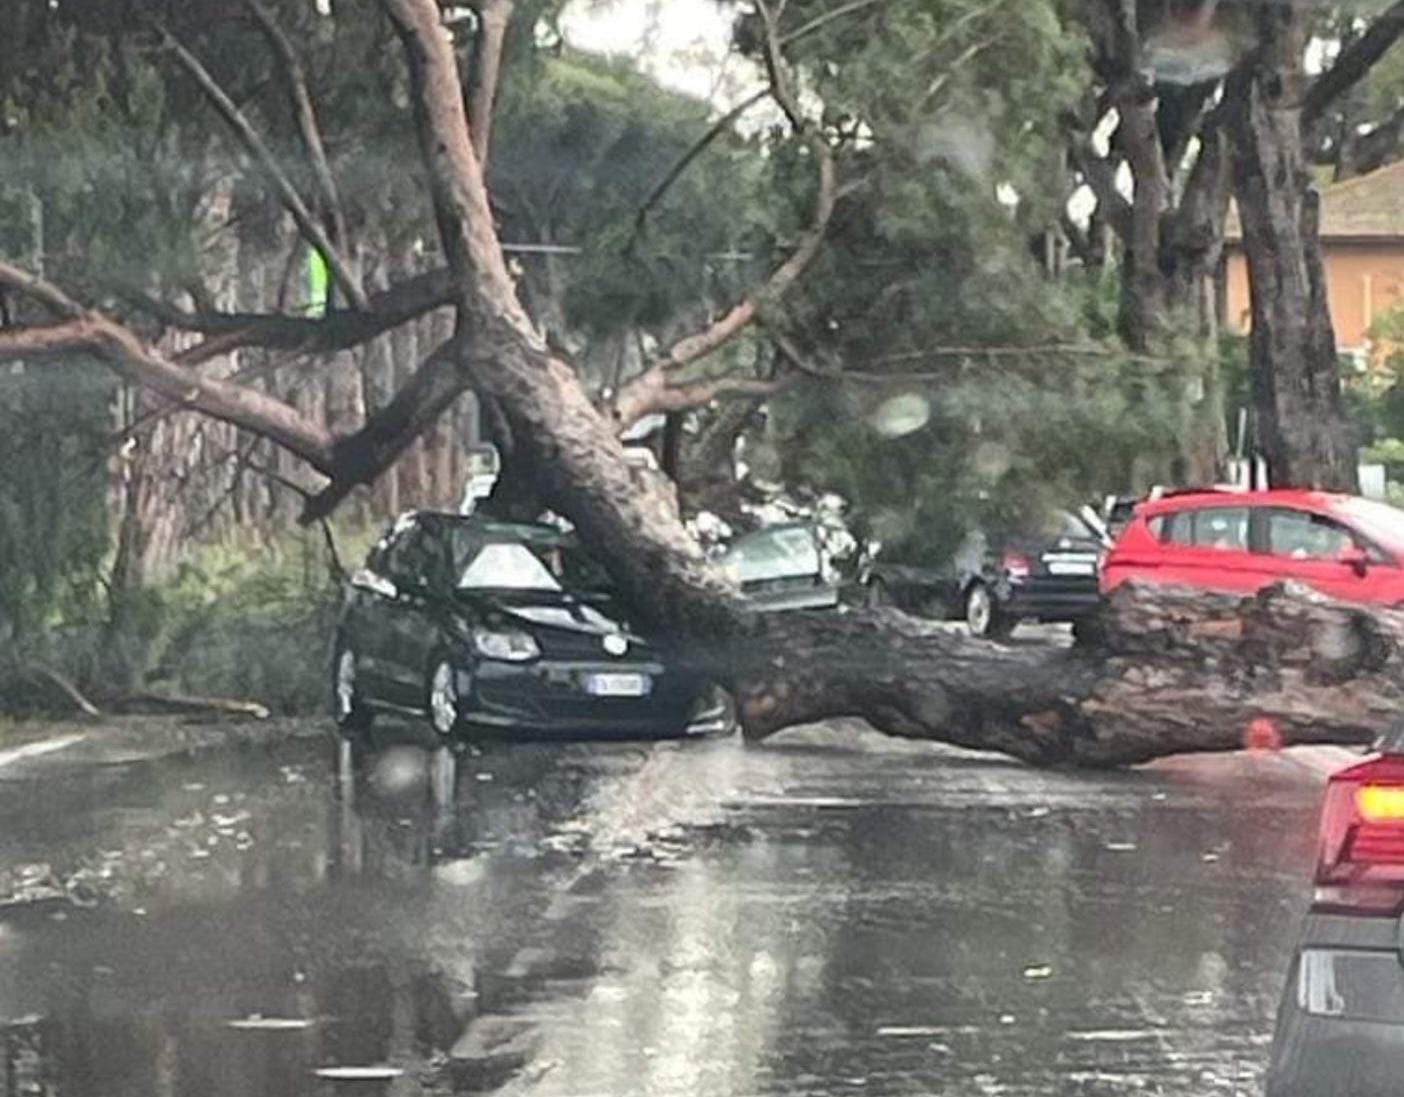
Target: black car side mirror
[{"x": 368, "y": 580}]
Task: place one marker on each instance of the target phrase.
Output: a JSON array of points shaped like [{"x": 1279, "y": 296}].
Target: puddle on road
[{"x": 893, "y": 929}]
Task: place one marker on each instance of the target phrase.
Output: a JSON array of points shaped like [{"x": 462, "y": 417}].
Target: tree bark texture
[
  {"x": 1183, "y": 671},
  {"x": 1296, "y": 378}
]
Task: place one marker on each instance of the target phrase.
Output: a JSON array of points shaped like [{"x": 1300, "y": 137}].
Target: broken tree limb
[
  {"x": 224, "y": 706},
  {"x": 64, "y": 685},
  {"x": 1183, "y": 671}
]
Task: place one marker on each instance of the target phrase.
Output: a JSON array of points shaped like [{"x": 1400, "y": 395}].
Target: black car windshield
[
  {"x": 1053, "y": 525},
  {"x": 535, "y": 563}
]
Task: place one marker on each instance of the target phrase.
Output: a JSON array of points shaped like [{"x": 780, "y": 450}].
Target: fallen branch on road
[
  {"x": 1182, "y": 671},
  {"x": 64, "y": 685},
  {"x": 225, "y": 706}
]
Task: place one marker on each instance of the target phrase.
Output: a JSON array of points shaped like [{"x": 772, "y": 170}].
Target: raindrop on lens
[
  {"x": 899, "y": 415},
  {"x": 398, "y": 770}
]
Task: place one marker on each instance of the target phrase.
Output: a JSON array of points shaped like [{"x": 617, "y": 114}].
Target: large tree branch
[
  {"x": 362, "y": 456},
  {"x": 247, "y": 136},
  {"x": 480, "y": 285},
  {"x": 455, "y": 174},
  {"x": 493, "y": 17},
  {"x": 1353, "y": 63},
  {"x": 339, "y": 329},
  {"x": 305, "y": 114},
  {"x": 132, "y": 359},
  {"x": 42, "y": 339}
]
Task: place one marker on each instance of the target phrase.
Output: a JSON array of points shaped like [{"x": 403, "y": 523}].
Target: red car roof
[{"x": 1315, "y": 500}]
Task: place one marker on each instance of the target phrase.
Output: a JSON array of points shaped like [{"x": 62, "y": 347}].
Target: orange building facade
[{"x": 1362, "y": 248}]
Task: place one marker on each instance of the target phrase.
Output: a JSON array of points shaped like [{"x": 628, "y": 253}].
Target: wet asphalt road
[{"x": 831, "y": 913}]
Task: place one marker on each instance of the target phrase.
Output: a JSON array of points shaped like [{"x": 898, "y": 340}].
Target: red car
[{"x": 1342, "y": 545}]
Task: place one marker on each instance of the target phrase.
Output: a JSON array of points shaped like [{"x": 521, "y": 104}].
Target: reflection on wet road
[{"x": 829, "y": 914}]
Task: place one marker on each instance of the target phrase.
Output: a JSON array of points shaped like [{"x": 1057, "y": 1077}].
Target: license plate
[
  {"x": 1071, "y": 567},
  {"x": 618, "y": 685}
]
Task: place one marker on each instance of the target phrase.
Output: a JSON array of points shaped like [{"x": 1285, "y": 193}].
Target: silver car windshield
[{"x": 773, "y": 554}]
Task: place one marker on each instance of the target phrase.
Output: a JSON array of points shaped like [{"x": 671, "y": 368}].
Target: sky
[{"x": 683, "y": 44}]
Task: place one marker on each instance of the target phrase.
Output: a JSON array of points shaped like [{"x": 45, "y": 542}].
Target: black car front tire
[
  {"x": 348, "y": 701},
  {"x": 442, "y": 703},
  {"x": 984, "y": 616}
]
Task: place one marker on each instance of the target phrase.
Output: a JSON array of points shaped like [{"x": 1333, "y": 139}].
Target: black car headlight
[{"x": 507, "y": 645}]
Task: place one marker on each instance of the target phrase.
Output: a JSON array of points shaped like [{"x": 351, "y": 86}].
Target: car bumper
[
  {"x": 549, "y": 699},
  {"x": 1340, "y": 1027},
  {"x": 1053, "y": 599}
]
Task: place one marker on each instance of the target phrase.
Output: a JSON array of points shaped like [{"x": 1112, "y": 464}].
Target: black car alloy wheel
[
  {"x": 348, "y": 705},
  {"x": 444, "y": 705}
]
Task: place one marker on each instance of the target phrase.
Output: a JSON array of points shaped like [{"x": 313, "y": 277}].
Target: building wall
[{"x": 1364, "y": 281}]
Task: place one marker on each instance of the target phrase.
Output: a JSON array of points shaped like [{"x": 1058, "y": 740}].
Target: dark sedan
[{"x": 480, "y": 626}]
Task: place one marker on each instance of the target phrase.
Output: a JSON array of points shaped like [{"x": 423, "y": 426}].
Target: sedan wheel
[
  {"x": 984, "y": 616},
  {"x": 443, "y": 700},
  {"x": 351, "y": 712}
]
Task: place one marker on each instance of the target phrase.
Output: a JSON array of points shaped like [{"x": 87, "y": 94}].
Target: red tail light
[
  {"x": 1360, "y": 862},
  {"x": 1015, "y": 564}
]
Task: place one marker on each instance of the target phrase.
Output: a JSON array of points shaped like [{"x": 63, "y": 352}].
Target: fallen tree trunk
[{"x": 1182, "y": 670}]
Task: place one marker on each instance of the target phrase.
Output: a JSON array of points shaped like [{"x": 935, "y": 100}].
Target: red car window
[
  {"x": 1302, "y": 535},
  {"x": 1224, "y": 528}
]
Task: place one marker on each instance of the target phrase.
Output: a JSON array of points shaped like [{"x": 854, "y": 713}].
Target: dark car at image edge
[
  {"x": 485, "y": 627},
  {"x": 1340, "y": 1025}
]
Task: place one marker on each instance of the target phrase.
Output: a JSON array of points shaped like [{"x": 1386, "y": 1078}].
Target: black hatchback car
[{"x": 483, "y": 626}]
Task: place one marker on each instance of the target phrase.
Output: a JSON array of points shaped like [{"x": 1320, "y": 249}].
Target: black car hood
[{"x": 545, "y": 609}]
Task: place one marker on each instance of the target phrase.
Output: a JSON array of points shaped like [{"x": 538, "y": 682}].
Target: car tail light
[
  {"x": 1015, "y": 564},
  {"x": 1360, "y": 862}
]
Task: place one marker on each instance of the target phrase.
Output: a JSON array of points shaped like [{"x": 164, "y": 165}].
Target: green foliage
[
  {"x": 1004, "y": 444},
  {"x": 249, "y": 620},
  {"x": 96, "y": 174},
  {"x": 53, "y": 520},
  {"x": 580, "y": 142}
]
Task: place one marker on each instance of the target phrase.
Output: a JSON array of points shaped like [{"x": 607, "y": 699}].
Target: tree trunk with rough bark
[
  {"x": 1296, "y": 379},
  {"x": 1182, "y": 671}
]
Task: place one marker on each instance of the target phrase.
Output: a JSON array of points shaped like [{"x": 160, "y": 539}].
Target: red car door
[
  {"x": 1313, "y": 549},
  {"x": 1208, "y": 546}
]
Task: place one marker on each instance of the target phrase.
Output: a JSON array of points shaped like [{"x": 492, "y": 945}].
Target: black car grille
[{"x": 583, "y": 646}]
